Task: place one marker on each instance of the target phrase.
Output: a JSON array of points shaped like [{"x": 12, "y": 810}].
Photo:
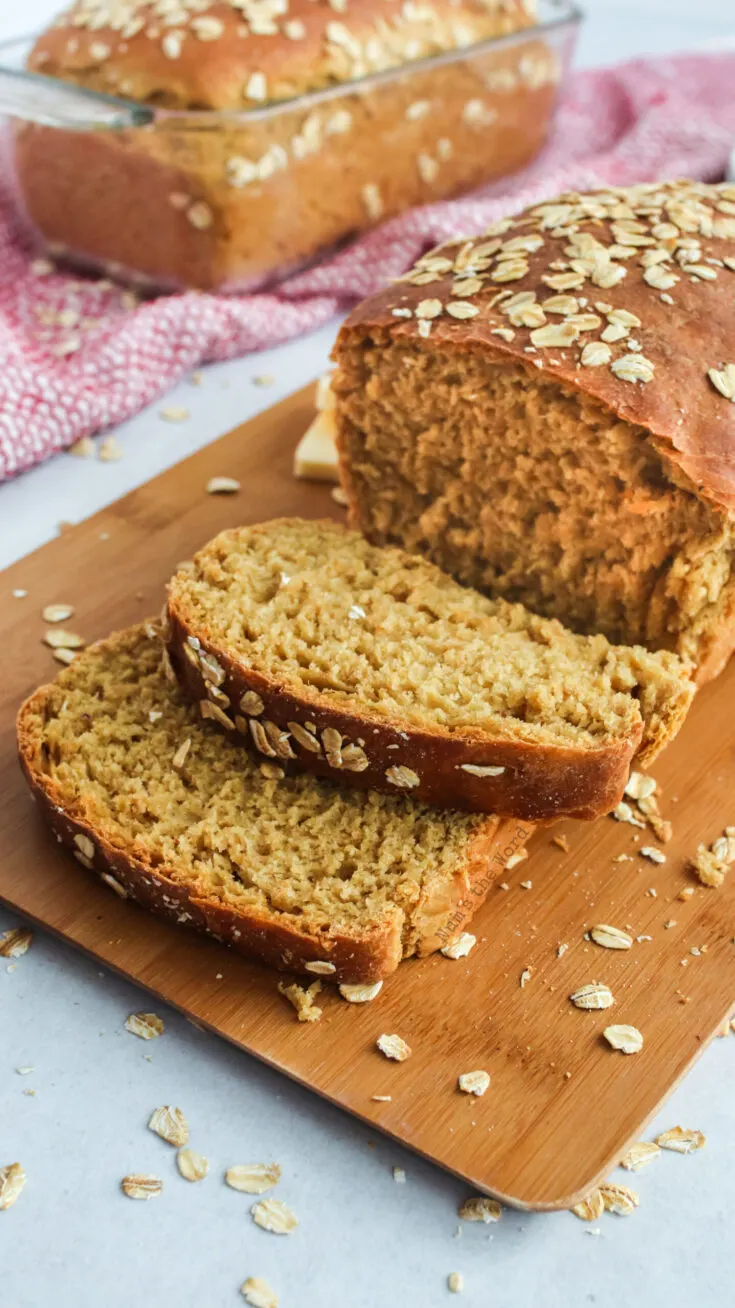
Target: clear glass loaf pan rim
[{"x": 557, "y": 17}]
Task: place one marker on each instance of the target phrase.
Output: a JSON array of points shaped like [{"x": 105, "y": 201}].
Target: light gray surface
[{"x": 72, "y": 1241}]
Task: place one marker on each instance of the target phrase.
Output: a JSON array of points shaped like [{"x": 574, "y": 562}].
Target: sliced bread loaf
[
  {"x": 372, "y": 666},
  {"x": 546, "y": 412},
  {"x": 292, "y": 871}
]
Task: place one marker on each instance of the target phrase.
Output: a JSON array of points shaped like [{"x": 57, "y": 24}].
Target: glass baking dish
[{"x": 237, "y": 199}]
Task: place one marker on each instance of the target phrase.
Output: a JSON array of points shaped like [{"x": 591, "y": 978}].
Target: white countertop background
[{"x": 73, "y": 1241}]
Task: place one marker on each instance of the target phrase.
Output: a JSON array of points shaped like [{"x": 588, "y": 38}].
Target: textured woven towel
[{"x": 105, "y": 360}]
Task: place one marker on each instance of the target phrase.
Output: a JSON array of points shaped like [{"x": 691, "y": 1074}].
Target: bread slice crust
[
  {"x": 469, "y": 768},
  {"x": 364, "y": 953}
]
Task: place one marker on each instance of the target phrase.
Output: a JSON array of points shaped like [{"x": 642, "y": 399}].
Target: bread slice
[
  {"x": 293, "y": 872},
  {"x": 372, "y": 666}
]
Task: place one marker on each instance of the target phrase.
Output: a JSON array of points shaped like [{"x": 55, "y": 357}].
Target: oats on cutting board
[
  {"x": 393, "y": 1046},
  {"x": 627, "y": 1039},
  {"x": 474, "y": 1083},
  {"x": 460, "y": 947}
]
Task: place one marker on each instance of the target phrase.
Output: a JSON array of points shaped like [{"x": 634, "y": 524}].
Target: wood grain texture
[{"x": 562, "y": 1107}]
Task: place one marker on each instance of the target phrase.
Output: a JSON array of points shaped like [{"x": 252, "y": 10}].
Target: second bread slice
[{"x": 372, "y": 666}]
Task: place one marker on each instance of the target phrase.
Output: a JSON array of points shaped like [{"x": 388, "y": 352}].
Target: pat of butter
[
  {"x": 324, "y": 393},
  {"x": 316, "y": 452}
]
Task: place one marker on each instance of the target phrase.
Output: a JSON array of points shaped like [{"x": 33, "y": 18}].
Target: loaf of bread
[
  {"x": 293, "y": 872},
  {"x": 546, "y": 411},
  {"x": 374, "y": 668},
  {"x": 212, "y": 197}
]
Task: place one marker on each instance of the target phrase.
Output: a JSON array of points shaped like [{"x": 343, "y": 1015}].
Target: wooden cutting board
[{"x": 562, "y": 1106}]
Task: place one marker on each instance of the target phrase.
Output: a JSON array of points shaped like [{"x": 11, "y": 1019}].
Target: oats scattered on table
[
  {"x": 109, "y": 451},
  {"x": 24, "y": 1071},
  {"x": 460, "y": 947},
  {"x": 626, "y": 1039},
  {"x": 339, "y": 497},
  {"x": 147, "y": 1026},
  {"x": 83, "y": 448},
  {"x": 382, "y": 1099},
  {"x": 258, "y": 1293},
  {"x": 610, "y": 937},
  {"x": 174, "y": 413},
  {"x": 561, "y": 842},
  {"x": 275, "y": 1216},
  {"x": 594, "y": 995},
  {"x": 681, "y": 1140},
  {"x": 561, "y": 950},
  {"x": 57, "y": 612},
  {"x": 591, "y": 1208},
  {"x": 170, "y": 1124},
  {"x": 263, "y": 379},
  {"x": 19, "y": 593},
  {"x": 526, "y": 885},
  {"x": 320, "y": 967},
  {"x": 302, "y": 999},
  {"x": 393, "y": 1046},
  {"x": 399, "y": 1175},
  {"x": 526, "y": 975},
  {"x": 222, "y": 486},
  {"x": 640, "y": 1155},
  {"x": 192, "y": 1166},
  {"x": 12, "y": 1180},
  {"x": 480, "y": 1209},
  {"x": 15, "y": 943},
  {"x": 474, "y": 1083},
  {"x": 455, "y": 1282},
  {"x": 619, "y": 1199},
  {"x": 140, "y": 1185},
  {"x": 360, "y": 994},
  {"x": 253, "y": 1178}
]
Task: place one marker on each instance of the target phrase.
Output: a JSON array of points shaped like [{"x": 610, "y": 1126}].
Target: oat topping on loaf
[
  {"x": 570, "y": 444},
  {"x": 230, "y": 53},
  {"x": 291, "y": 871},
  {"x": 416, "y": 682}
]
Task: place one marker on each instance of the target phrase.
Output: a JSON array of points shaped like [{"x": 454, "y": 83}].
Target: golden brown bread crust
[
  {"x": 538, "y": 783},
  {"x": 684, "y": 335},
  {"x": 669, "y": 303},
  {"x": 364, "y": 957},
  {"x": 205, "y": 60},
  {"x": 225, "y": 204}
]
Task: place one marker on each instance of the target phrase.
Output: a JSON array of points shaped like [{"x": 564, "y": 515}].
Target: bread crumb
[
  {"x": 109, "y": 451},
  {"x": 302, "y": 999},
  {"x": 174, "y": 413}
]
